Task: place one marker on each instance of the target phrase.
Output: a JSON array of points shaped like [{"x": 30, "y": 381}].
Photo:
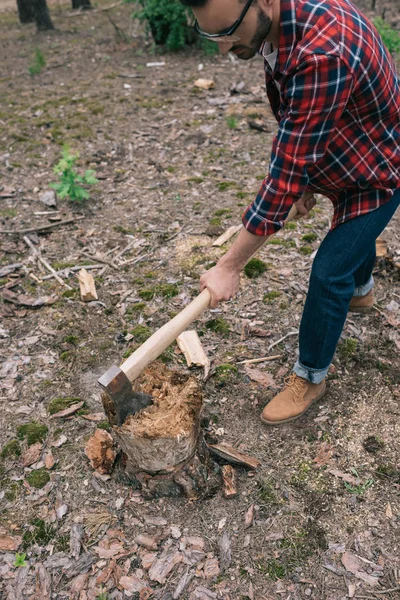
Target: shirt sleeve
[{"x": 314, "y": 98}]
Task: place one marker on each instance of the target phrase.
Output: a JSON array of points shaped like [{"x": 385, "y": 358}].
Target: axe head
[{"x": 119, "y": 390}]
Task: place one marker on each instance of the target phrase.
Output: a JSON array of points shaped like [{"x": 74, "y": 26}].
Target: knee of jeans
[{"x": 325, "y": 275}]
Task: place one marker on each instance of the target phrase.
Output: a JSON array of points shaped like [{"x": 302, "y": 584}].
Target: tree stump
[{"x": 163, "y": 444}]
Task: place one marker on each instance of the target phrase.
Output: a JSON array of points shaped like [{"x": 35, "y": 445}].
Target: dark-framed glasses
[{"x": 227, "y": 34}]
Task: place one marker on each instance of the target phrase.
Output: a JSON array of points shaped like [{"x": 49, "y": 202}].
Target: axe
[{"x": 117, "y": 381}]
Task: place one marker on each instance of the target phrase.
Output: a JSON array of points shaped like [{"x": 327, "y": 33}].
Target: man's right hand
[
  {"x": 305, "y": 204},
  {"x": 222, "y": 282}
]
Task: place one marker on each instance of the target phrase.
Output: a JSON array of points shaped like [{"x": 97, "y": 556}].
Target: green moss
[
  {"x": 241, "y": 195},
  {"x": 266, "y": 492},
  {"x": 70, "y": 294},
  {"x": 347, "y": 348},
  {"x": 138, "y": 307},
  {"x": 222, "y": 211},
  {"x": 309, "y": 237},
  {"x": 274, "y": 569},
  {"x": 8, "y": 212},
  {"x": 13, "y": 490},
  {"x": 121, "y": 229},
  {"x": 104, "y": 425},
  {"x": 291, "y": 226},
  {"x": 38, "y": 478},
  {"x": 306, "y": 250},
  {"x": 39, "y": 532},
  {"x": 225, "y": 374},
  {"x": 33, "y": 432},
  {"x": 65, "y": 355},
  {"x": 218, "y": 325},
  {"x": 388, "y": 472},
  {"x": 58, "y": 404},
  {"x": 269, "y": 297},
  {"x": 215, "y": 222},
  {"x": 255, "y": 267},
  {"x": 167, "y": 290},
  {"x": 141, "y": 333},
  {"x": 226, "y": 185},
  {"x": 195, "y": 180},
  {"x": 71, "y": 339},
  {"x": 171, "y": 169},
  {"x": 12, "y": 448},
  {"x": 59, "y": 266}
]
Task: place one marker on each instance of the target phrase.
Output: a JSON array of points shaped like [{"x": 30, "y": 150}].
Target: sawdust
[{"x": 177, "y": 404}]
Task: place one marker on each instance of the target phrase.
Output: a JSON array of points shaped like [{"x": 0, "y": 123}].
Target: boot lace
[{"x": 298, "y": 387}]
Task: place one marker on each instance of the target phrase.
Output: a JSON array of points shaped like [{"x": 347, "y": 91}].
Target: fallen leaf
[
  {"x": 211, "y": 568},
  {"x": 204, "y": 84},
  {"x": 389, "y": 512},
  {"x": 324, "y": 454},
  {"x": 345, "y": 476},
  {"x": 67, "y": 412},
  {"x": 261, "y": 377},
  {"x": 353, "y": 564},
  {"x": 32, "y": 455},
  {"x": 61, "y": 511},
  {"x": 8, "y": 543},
  {"x": 112, "y": 550},
  {"x": 249, "y": 517},
  {"x": 49, "y": 460},
  {"x": 100, "y": 451}
]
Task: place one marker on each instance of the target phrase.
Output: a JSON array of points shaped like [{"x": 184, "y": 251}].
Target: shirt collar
[{"x": 287, "y": 34}]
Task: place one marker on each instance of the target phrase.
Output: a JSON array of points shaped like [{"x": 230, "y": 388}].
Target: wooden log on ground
[
  {"x": 87, "y": 286},
  {"x": 163, "y": 443},
  {"x": 229, "y": 481}
]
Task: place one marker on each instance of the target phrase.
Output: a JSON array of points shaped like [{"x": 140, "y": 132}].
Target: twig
[
  {"x": 43, "y": 227},
  {"x": 388, "y": 591},
  {"x": 253, "y": 361},
  {"x": 93, "y": 12},
  {"x": 133, "y": 261},
  {"x": 100, "y": 260},
  {"x": 63, "y": 271},
  {"x": 282, "y": 338},
  {"x": 45, "y": 263}
]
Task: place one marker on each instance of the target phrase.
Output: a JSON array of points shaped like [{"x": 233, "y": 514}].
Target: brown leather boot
[
  {"x": 292, "y": 401},
  {"x": 362, "y": 304}
]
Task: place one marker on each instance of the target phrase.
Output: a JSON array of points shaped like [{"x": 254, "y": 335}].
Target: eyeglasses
[{"x": 226, "y": 35}]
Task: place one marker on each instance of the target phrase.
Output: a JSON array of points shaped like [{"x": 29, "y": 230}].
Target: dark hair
[{"x": 194, "y": 3}]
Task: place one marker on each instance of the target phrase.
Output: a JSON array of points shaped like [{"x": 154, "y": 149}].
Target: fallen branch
[
  {"x": 253, "y": 361},
  {"x": 41, "y": 228},
  {"x": 283, "y": 338},
  {"x": 100, "y": 260},
  {"x": 45, "y": 263},
  {"x": 77, "y": 268}
]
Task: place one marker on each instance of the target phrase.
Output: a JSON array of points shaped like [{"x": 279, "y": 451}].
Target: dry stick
[
  {"x": 253, "y": 361},
  {"x": 43, "y": 227},
  {"x": 77, "y": 268},
  {"x": 93, "y": 12},
  {"x": 100, "y": 260},
  {"x": 45, "y": 263},
  {"x": 283, "y": 338}
]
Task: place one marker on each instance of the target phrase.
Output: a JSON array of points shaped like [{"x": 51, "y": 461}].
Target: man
[{"x": 333, "y": 88}]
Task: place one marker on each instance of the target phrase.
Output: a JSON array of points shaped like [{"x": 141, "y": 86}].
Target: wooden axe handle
[{"x": 163, "y": 337}]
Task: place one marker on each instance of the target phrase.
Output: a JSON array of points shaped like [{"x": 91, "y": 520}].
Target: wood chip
[
  {"x": 229, "y": 480},
  {"x": 249, "y": 517},
  {"x": 227, "y": 235},
  {"x": 232, "y": 455},
  {"x": 189, "y": 343},
  {"x": 204, "y": 84},
  {"x": 100, "y": 451},
  {"x": 87, "y": 286},
  {"x": 381, "y": 248},
  {"x": 67, "y": 412}
]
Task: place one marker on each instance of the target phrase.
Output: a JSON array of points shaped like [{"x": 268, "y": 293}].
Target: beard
[{"x": 264, "y": 24}]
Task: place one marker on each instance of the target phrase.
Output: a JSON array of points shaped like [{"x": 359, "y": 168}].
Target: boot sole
[
  {"x": 320, "y": 395},
  {"x": 361, "y": 309}
]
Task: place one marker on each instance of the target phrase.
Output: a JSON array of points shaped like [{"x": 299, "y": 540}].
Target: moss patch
[
  {"x": 309, "y": 237},
  {"x": 225, "y": 373},
  {"x": 58, "y": 404},
  {"x": 12, "y": 448},
  {"x": 347, "y": 349},
  {"x": 306, "y": 250},
  {"x": 39, "y": 532},
  {"x": 218, "y": 325},
  {"x": 167, "y": 290},
  {"x": 38, "y": 478},
  {"x": 269, "y": 297},
  {"x": 33, "y": 432},
  {"x": 255, "y": 267},
  {"x": 141, "y": 333}
]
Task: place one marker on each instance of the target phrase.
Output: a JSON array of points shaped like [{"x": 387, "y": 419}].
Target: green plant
[
  {"x": 358, "y": 490},
  {"x": 255, "y": 267},
  {"x": 70, "y": 182},
  {"x": 37, "y": 64},
  {"x": 390, "y": 37},
  {"x": 232, "y": 122},
  {"x": 33, "y": 432},
  {"x": 168, "y": 22},
  {"x": 20, "y": 560}
]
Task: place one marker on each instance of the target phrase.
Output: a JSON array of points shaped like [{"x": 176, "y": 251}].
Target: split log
[
  {"x": 87, "y": 286},
  {"x": 232, "y": 455},
  {"x": 163, "y": 444},
  {"x": 229, "y": 480}
]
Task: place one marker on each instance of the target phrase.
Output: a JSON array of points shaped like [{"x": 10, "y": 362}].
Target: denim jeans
[{"x": 342, "y": 268}]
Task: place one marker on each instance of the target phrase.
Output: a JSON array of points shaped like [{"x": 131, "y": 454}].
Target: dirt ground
[{"x": 176, "y": 167}]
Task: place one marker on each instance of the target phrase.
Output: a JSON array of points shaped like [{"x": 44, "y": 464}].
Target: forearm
[{"x": 241, "y": 250}]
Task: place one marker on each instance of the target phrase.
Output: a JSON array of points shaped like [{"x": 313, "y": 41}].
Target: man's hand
[
  {"x": 305, "y": 204},
  {"x": 222, "y": 283}
]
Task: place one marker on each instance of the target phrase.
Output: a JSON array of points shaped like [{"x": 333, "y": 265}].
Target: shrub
[
  {"x": 390, "y": 37},
  {"x": 168, "y": 22}
]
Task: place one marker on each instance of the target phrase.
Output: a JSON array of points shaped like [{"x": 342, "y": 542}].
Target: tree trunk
[
  {"x": 41, "y": 15},
  {"x": 25, "y": 11},
  {"x": 83, "y": 4},
  {"x": 163, "y": 444}
]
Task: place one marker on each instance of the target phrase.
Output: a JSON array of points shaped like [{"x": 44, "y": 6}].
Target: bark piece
[
  {"x": 43, "y": 582},
  {"x": 87, "y": 286},
  {"x": 67, "y": 412},
  {"x": 183, "y": 584},
  {"x": 163, "y": 565},
  {"x": 24, "y": 300},
  {"x": 232, "y": 455},
  {"x": 75, "y": 539},
  {"x": 146, "y": 541},
  {"x": 229, "y": 480},
  {"x": 202, "y": 593},
  {"x": 191, "y": 346},
  {"x": 100, "y": 451},
  {"x": 225, "y": 554},
  {"x": 81, "y": 565},
  {"x": 227, "y": 235},
  {"x": 211, "y": 568}
]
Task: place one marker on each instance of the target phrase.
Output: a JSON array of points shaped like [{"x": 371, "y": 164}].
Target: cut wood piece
[
  {"x": 87, "y": 286},
  {"x": 229, "y": 480},
  {"x": 190, "y": 344},
  {"x": 381, "y": 248},
  {"x": 227, "y": 235},
  {"x": 232, "y": 455}
]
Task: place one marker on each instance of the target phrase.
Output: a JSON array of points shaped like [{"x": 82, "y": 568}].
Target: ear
[{"x": 266, "y": 3}]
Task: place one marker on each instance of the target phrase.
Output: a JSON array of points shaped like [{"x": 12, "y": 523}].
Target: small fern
[{"x": 70, "y": 182}]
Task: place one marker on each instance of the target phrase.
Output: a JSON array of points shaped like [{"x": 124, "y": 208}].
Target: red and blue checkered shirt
[{"x": 338, "y": 111}]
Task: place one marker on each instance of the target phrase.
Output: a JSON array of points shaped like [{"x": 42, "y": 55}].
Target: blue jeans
[{"x": 342, "y": 268}]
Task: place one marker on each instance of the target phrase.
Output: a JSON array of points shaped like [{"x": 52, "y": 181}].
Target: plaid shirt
[{"x": 338, "y": 111}]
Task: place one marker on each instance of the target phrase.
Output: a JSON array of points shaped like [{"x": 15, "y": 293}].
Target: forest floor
[{"x": 176, "y": 166}]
